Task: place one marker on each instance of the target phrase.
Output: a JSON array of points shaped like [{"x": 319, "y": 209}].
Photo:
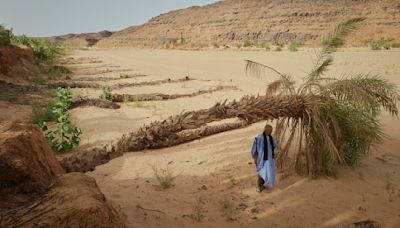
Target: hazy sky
[{"x": 57, "y": 17}]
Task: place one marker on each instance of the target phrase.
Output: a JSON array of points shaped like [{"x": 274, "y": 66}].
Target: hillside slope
[{"x": 238, "y": 21}]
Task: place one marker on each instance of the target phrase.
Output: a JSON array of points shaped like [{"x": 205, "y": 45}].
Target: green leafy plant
[
  {"x": 106, "y": 95},
  {"x": 65, "y": 137},
  {"x": 5, "y": 36}
]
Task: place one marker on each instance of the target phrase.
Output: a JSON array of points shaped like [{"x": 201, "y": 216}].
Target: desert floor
[{"x": 214, "y": 177}]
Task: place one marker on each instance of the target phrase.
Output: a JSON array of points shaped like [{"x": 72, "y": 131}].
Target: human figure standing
[{"x": 263, "y": 153}]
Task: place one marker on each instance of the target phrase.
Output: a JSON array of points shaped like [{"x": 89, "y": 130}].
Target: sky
[{"x": 39, "y": 18}]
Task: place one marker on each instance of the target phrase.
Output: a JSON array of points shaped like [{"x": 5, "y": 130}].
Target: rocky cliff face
[{"x": 237, "y": 21}]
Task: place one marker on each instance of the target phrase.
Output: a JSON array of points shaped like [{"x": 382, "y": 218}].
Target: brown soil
[
  {"x": 16, "y": 64},
  {"x": 73, "y": 200},
  {"x": 27, "y": 163},
  {"x": 35, "y": 193}
]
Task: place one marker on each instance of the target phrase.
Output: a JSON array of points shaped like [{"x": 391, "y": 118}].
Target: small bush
[
  {"x": 227, "y": 207},
  {"x": 198, "y": 214},
  {"x": 278, "y": 49},
  {"x": 42, "y": 112},
  {"x": 106, "y": 95},
  {"x": 279, "y": 43},
  {"x": 263, "y": 45},
  {"x": 138, "y": 101},
  {"x": 164, "y": 177},
  {"x": 39, "y": 79},
  {"x": 5, "y": 36},
  {"x": 382, "y": 44},
  {"x": 294, "y": 45},
  {"x": 247, "y": 43}
]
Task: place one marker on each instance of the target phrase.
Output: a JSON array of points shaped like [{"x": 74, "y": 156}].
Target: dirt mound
[
  {"x": 236, "y": 22},
  {"x": 16, "y": 63},
  {"x": 34, "y": 194},
  {"x": 74, "y": 200},
  {"x": 27, "y": 165}
]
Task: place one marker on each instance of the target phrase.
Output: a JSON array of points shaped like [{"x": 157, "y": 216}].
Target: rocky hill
[
  {"x": 235, "y": 22},
  {"x": 83, "y": 39}
]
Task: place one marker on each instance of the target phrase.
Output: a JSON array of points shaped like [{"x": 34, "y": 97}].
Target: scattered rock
[
  {"x": 203, "y": 188},
  {"x": 242, "y": 206},
  {"x": 254, "y": 210}
]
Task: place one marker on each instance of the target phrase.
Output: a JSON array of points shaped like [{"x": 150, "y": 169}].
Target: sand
[{"x": 218, "y": 169}]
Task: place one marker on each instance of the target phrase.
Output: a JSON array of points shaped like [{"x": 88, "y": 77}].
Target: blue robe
[{"x": 266, "y": 169}]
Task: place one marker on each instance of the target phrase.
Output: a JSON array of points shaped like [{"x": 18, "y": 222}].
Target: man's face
[{"x": 268, "y": 130}]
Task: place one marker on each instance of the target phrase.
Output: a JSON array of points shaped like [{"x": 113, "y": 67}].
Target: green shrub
[
  {"x": 65, "y": 137},
  {"x": 279, "y": 43},
  {"x": 294, "y": 45},
  {"x": 227, "y": 206},
  {"x": 247, "y": 43},
  {"x": 42, "y": 112},
  {"x": 164, "y": 177},
  {"x": 199, "y": 210},
  {"x": 263, "y": 45},
  {"x": 383, "y": 43},
  {"x": 57, "y": 72},
  {"x": 106, "y": 95},
  {"x": 45, "y": 50},
  {"x": 5, "y": 36}
]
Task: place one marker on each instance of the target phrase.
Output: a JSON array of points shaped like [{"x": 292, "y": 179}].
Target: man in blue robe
[{"x": 263, "y": 153}]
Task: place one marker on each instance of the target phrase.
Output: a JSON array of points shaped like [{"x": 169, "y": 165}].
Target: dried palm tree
[{"x": 341, "y": 120}]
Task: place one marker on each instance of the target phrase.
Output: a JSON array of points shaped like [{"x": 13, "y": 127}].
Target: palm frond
[
  {"x": 255, "y": 69},
  {"x": 319, "y": 71},
  {"x": 330, "y": 44},
  {"x": 285, "y": 85},
  {"x": 370, "y": 92}
]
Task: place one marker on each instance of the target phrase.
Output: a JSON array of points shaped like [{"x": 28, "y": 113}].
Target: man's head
[{"x": 268, "y": 129}]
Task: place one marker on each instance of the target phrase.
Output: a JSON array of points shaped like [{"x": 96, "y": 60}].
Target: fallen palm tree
[
  {"x": 103, "y": 79},
  {"x": 186, "y": 127},
  {"x": 149, "y": 83},
  {"x": 96, "y": 102},
  {"x": 82, "y": 60},
  {"x": 97, "y": 71},
  {"x": 330, "y": 121},
  {"x": 74, "y": 84},
  {"x": 161, "y": 96}
]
